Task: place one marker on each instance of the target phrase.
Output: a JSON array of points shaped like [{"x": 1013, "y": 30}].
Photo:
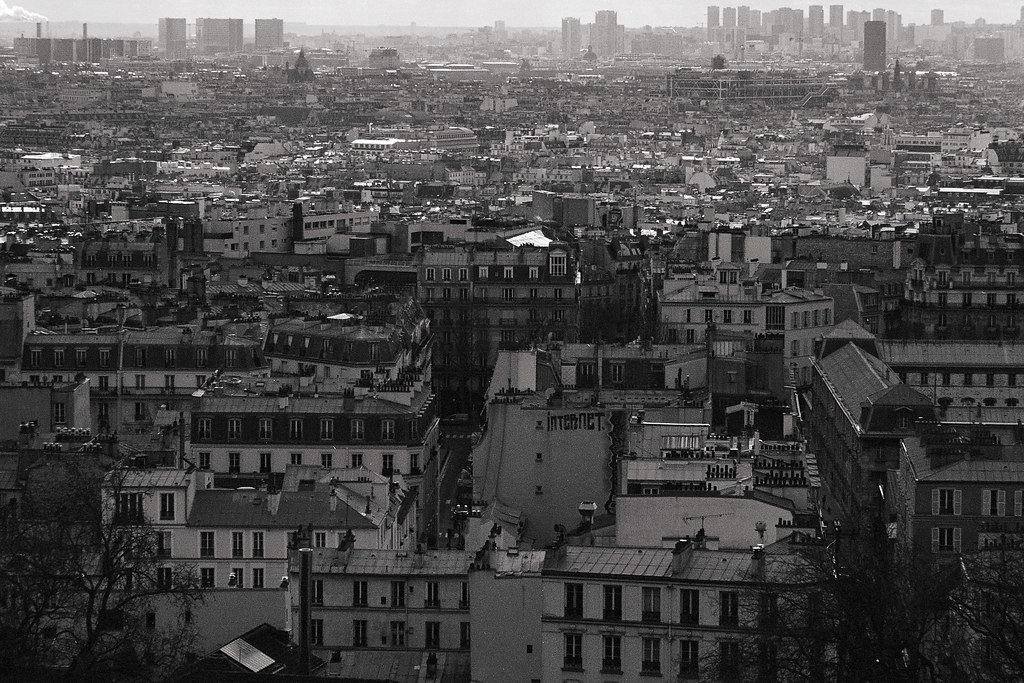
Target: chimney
[
  {"x": 345, "y": 548},
  {"x": 305, "y": 610},
  {"x": 683, "y": 549},
  {"x": 334, "y": 499},
  {"x": 586, "y": 510},
  {"x": 419, "y": 558},
  {"x": 85, "y": 31},
  {"x": 39, "y": 29}
]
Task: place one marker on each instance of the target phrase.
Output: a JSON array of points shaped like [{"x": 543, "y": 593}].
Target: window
[
  {"x": 464, "y": 595},
  {"x": 387, "y": 464},
  {"x": 167, "y": 506},
  {"x": 947, "y": 379},
  {"x": 432, "y": 634},
  {"x": 574, "y": 600},
  {"x": 129, "y": 508},
  {"x": 170, "y": 358},
  {"x": 316, "y": 631},
  {"x": 58, "y": 358},
  {"x": 651, "y": 653},
  {"x": 534, "y": 272},
  {"x": 573, "y": 657},
  {"x": 398, "y": 593},
  {"x": 556, "y": 265},
  {"x": 433, "y": 596},
  {"x": 237, "y": 544},
  {"x": 464, "y": 640},
  {"x": 204, "y": 428},
  {"x": 164, "y": 578},
  {"x": 651, "y": 607},
  {"x": 237, "y": 578},
  {"x": 359, "y": 593},
  {"x": 946, "y": 539},
  {"x": 357, "y": 459},
  {"x": 618, "y": 372},
  {"x": 230, "y": 358},
  {"x": 295, "y": 429},
  {"x": 748, "y": 317},
  {"x": 257, "y": 544},
  {"x": 689, "y": 663},
  {"x": 265, "y": 460},
  {"x": 59, "y": 412},
  {"x": 140, "y": 358},
  {"x": 140, "y": 411},
  {"x": 204, "y": 460},
  {"x": 612, "y": 648},
  {"x": 206, "y": 543},
  {"x": 796, "y": 320},
  {"x": 80, "y": 357},
  {"x": 207, "y": 576},
  {"x": 558, "y": 294},
  {"x": 234, "y": 463},
  {"x": 968, "y": 379},
  {"x": 257, "y": 577},
  {"x": 359, "y": 631},
  {"x": 990, "y": 380},
  {"x": 709, "y": 315},
  {"x": 387, "y": 430},
  {"x": 1011, "y": 379},
  {"x": 320, "y": 539},
  {"x": 729, "y": 614},
  {"x": 326, "y": 460},
  {"x": 947, "y": 501},
  {"x": 689, "y": 601},
  {"x": 481, "y": 272},
  {"x": 266, "y": 428},
  {"x": 727, "y": 316},
  {"x": 446, "y": 274},
  {"x": 429, "y": 275},
  {"x": 317, "y": 591},
  {"x": 163, "y": 544},
  {"x": 993, "y": 502},
  {"x": 508, "y": 293},
  {"x": 398, "y": 634},
  {"x": 201, "y": 358},
  {"x": 104, "y": 358},
  {"x": 356, "y": 428},
  {"x": 613, "y": 602},
  {"x": 463, "y": 274},
  {"x": 794, "y": 347},
  {"x": 234, "y": 428}
]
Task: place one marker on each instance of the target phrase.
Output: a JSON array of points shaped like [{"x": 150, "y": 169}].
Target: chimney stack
[
  {"x": 39, "y": 29},
  {"x": 682, "y": 550},
  {"x": 85, "y": 31}
]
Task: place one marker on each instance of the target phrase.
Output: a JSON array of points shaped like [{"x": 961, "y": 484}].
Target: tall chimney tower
[{"x": 39, "y": 29}]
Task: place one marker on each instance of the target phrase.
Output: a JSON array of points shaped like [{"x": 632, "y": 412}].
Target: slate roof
[
  {"x": 945, "y": 354},
  {"x": 392, "y": 562},
  {"x": 235, "y": 508},
  {"x": 854, "y": 375}
]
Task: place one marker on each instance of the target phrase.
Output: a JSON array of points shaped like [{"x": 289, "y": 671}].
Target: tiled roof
[
  {"x": 653, "y": 562},
  {"x": 943, "y": 354},
  {"x": 854, "y": 375},
  {"x": 236, "y": 508}
]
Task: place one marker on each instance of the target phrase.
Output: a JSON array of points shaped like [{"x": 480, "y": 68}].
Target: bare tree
[
  {"x": 986, "y": 632},
  {"x": 81, "y": 573}
]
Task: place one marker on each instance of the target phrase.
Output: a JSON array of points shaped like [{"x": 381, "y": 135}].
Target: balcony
[
  {"x": 573, "y": 612},
  {"x": 612, "y": 615},
  {"x": 651, "y": 617},
  {"x": 650, "y": 668},
  {"x": 611, "y": 666},
  {"x": 572, "y": 663},
  {"x": 691, "y": 618}
]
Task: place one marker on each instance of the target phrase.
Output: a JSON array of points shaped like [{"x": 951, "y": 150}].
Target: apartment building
[{"x": 135, "y": 373}]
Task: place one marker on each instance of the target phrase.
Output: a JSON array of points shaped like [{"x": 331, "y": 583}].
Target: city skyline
[{"x": 461, "y": 13}]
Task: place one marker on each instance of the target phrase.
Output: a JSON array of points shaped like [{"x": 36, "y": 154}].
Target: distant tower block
[{"x": 874, "y": 45}]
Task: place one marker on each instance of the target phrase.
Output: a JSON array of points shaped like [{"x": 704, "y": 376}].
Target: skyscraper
[
  {"x": 938, "y": 17},
  {"x": 714, "y": 23},
  {"x": 816, "y": 20},
  {"x": 743, "y": 16},
  {"x": 874, "y": 46},
  {"x": 728, "y": 17},
  {"x": 605, "y": 38},
  {"x": 173, "y": 36},
  {"x": 835, "y": 16},
  {"x": 218, "y": 35},
  {"x": 572, "y": 37},
  {"x": 269, "y": 34}
]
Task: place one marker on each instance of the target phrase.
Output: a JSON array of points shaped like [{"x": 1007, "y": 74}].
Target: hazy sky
[{"x": 471, "y": 12}]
